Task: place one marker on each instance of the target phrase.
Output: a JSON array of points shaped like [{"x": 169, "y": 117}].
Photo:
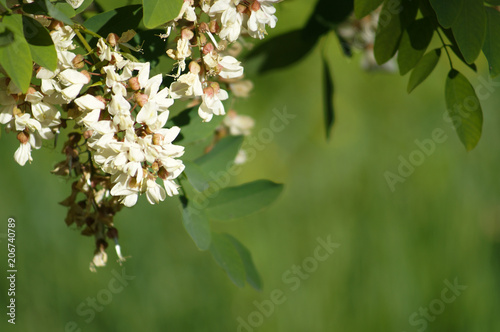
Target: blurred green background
[{"x": 396, "y": 248}]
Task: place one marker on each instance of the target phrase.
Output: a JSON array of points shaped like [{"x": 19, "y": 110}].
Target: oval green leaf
[
  {"x": 196, "y": 176},
  {"x": 198, "y": 227},
  {"x": 464, "y": 109},
  {"x": 15, "y": 57},
  {"x": 220, "y": 159},
  {"x": 236, "y": 202},
  {"x": 447, "y": 11},
  {"x": 365, "y": 7},
  {"x": 414, "y": 42},
  {"x": 252, "y": 276},
  {"x": 423, "y": 69},
  {"x": 228, "y": 258},
  {"x": 40, "y": 43},
  {"x": 469, "y": 29},
  {"x": 491, "y": 46},
  {"x": 193, "y": 128},
  {"x": 157, "y": 12}
]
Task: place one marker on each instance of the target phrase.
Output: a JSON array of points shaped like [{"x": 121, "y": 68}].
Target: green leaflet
[{"x": 464, "y": 109}]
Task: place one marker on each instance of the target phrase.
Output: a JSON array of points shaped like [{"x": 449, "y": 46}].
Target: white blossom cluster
[{"x": 360, "y": 35}]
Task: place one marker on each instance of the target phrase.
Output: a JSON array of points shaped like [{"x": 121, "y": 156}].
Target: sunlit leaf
[
  {"x": 464, "y": 109},
  {"x": 157, "y": 12},
  {"x": 236, "y": 202},
  {"x": 423, "y": 69},
  {"x": 40, "y": 43}
]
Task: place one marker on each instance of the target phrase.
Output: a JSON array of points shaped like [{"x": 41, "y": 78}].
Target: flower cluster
[
  {"x": 118, "y": 145},
  {"x": 359, "y": 34}
]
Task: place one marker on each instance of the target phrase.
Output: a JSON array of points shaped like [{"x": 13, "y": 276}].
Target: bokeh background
[{"x": 396, "y": 248}]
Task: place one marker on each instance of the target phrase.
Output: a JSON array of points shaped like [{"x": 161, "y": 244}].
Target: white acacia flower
[
  {"x": 262, "y": 14},
  {"x": 75, "y": 3},
  {"x": 225, "y": 66},
  {"x": 212, "y": 102},
  {"x": 229, "y": 18},
  {"x": 7, "y": 103},
  {"x": 23, "y": 154},
  {"x": 238, "y": 124},
  {"x": 187, "y": 85}
]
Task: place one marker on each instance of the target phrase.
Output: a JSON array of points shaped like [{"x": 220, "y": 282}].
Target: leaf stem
[{"x": 445, "y": 48}]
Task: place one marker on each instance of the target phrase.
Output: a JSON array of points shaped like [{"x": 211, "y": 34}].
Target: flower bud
[
  {"x": 163, "y": 173},
  {"x": 100, "y": 98},
  {"x": 187, "y": 34},
  {"x": 30, "y": 91},
  {"x": 134, "y": 84},
  {"x": 112, "y": 233},
  {"x": 112, "y": 39},
  {"x": 241, "y": 8},
  {"x": 203, "y": 27},
  {"x": 55, "y": 25},
  {"x": 88, "y": 134},
  {"x": 208, "y": 48},
  {"x": 194, "y": 67},
  {"x": 203, "y": 39},
  {"x": 141, "y": 99},
  {"x": 255, "y": 6},
  {"x": 214, "y": 26},
  {"x": 155, "y": 166},
  {"x": 23, "y": 137},
  {"x": 78, "y": 61},
  {"x": 157, "y": 139},
  {"x": 209, "y": 92}
]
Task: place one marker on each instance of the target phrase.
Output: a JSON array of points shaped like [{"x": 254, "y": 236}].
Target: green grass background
[{"x": 396, "y": 248}]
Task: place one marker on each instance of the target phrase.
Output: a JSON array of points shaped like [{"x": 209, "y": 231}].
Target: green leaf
[
  {"x": 491, "y": 46},
  {"x": 414, "y": 42},
  {"x": 157, "y": 12},
  {"x": 253, "y": 277},
  {"x": 4, "y": 3},
  {"x": 40, "y": 43},
  {"x": 117, "y": 20},
  {"x": 221, "y": 157},
  {"x": 60, "y": 12},
  {"x": 15, "y": 57},
  {"x": 469, "y": 29},
  {"x": 108, "y": 5},
  {"x": 456, "y": 50},
  {"x": 193, "y": 128},
  {"x": 365, "y": 7},
  {"x": 396, "y": 15},
  {"x": 423, "y": 69},
  {"x": 228, "y": 258},
  {"x": 464, "y": 109},
  {"x": 196, "y": 176},
  {"x": 6, "y": 37},
  {"x": 493, "y": 2},
  {"x": 328, "y": 92},
  {"x": 198, "y": 227},
  {"x": 447, "y": 11},
  {"x": 236, "y": 202},
  {"x": 83, "y": 6}
]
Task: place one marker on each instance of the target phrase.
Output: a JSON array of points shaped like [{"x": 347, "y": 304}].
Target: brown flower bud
[
  {"x": 88, "y": 134},
  {"x": 187, "y": 34},
  {"x": 214, "y": 26},
  {"x": 157, "y": 138},
  {"x": 133, "y": 83},
  {"x": 141, "y": 99},
  {"x": 55, "y": 25},
  {"x": 155, "y": 166},
  {"x": 77, "y": 61},
  {"x": 241, "y": 8},
  {"x": 163, "y": 173},
  {"x": 255, "y": 6},
  {"x": 203, "y": 27},
  {"x": 112, "y": 39},
  {"x": 208, "y": 48},
  {"x": 194, "y": 67},
  {"x": 112, "y": 233},
  {"x": 23, "y": 137},
  {"x": 30, "y": 91}
]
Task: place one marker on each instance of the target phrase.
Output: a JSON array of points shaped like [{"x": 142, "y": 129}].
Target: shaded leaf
[
  {"x": 456, "y": 50},
  {"x": 423, "y": 69},
  {"x": 328, "y": 92},
  {"x": 193, "y": 128},
  {"x": 414, "y": 42},
  {"x": 157, "y": 12},
  {"x": 447, "y": 11},
  {"x": 15, "y": 57},
  {"x": 396, "y": 15},
  {"x": 196, "y": 176},
  {"x": 6, "y": 37},
  {"x": 108, "y": 5},
  {"x": 84, "y": 6},
  {"x": 464, "y": 109},
  {"x": 60, "y": 12},
  {"x": 284, "y": 50},
  {"x": 469, "y": 29},
  {"x": 117, "y": 20},
  {"x": 198, "y": 227},
  {"x": 236, "y": 202},
  {"x": 228, "y": 258},
  {"x": 365, "y": 7},
  {"x": 252, "y": 276},
  {"x": 221, "y": 157},
  {"x": 491, "y": 46},
  {"x": 40, "y": 43}
]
